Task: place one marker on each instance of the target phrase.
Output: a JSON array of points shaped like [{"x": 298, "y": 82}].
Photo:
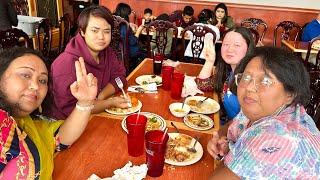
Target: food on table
[
  {"x": 134, "y": 103},
  {"x": 192, "y": 102},
  {"x": 153, "y": 123},
  {"x": 179, "y": 110},
  {"x": 198, "y": 120},
  {"x": 177, "y": 148},
  {"x": 205, "y": 106}
]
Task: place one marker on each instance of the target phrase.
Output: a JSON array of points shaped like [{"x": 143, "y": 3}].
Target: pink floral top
[{"x": 286, "y": 146}]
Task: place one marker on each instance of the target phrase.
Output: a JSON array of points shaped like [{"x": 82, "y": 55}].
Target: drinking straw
[
  {"x": 138, "y": 116},
  {"x": 164, "y": 134}
]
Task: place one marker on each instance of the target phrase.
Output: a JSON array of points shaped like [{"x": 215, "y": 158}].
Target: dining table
[
  {"x": 298, "y": 46},
  {"x": 102, "y": 148}
]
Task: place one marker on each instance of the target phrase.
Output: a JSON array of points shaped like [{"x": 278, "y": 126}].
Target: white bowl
[{"x": 177, "y": 111}]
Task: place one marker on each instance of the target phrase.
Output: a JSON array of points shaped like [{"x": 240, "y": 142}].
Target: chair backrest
[
  {"x": 197, "y": 40},
  {"x": 255, "y": 35},
  {"x": 162, "y": 30},
  {"x": 313, "y": 108},
  {"x": 12, "y": 37},
  {"x": 123, "y": 50},
  {"x": 289, "y": 31},
  {"x": 257, "y": 24},
  {"x": 44, "y": 36},
  {"x": 64, "y": 26},
  {"x": 309, "y": 65}
]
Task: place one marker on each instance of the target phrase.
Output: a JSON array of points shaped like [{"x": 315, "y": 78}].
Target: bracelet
[{"x": 84, "y": 108}]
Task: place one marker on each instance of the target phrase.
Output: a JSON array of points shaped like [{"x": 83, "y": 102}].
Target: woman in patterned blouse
[
  {"x": 272, "y": 137},
  {"x": 27, "y": 142}
]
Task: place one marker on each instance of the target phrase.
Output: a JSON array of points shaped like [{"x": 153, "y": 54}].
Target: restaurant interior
[{"x": 101, "y": 151}]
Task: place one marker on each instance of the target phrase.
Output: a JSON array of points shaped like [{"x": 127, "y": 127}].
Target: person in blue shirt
[{"x": 312, "y": 30}]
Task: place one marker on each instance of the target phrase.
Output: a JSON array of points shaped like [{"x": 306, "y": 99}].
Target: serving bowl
[{"x": 177, "y": 110}]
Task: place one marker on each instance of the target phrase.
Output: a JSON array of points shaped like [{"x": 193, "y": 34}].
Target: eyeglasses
[{"x": 245, "y": 79}]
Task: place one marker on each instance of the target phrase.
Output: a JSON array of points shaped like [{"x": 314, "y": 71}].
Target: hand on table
[
  {"x": 119, "y": 101},
  {"x": 217, "y": 146}
]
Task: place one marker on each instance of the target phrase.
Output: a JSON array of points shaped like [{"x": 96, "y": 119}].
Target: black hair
[
  {"x": 96, "y": 11},
  {"x": 7, "y": 56},
  {"x": 288, "y": 69},
  {"x": 147, "y": 10},
  {"x": 204, "y": 16},
  {"x": 164, "y": 17},
  {"x": 188, "y": 10},
  {"x": 214, "y": 18},
  {"x": 222, "y": 68},
  {"x": 123, "y": 10}
]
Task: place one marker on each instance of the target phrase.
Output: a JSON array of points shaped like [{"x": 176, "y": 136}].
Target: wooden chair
[
  {"x": 64, "y": 26},
  {"x": 255, "y": 35},
  {"x": 44, "y": 37},
  {"x": 14, "y": 37},
  {"x": 122, "y": 44},
  {"x": 313, "y": 108},
  {"x": 162, "y": 30},
  {"x": 257, "y": 24},
  {"x": 197, "y": 42},
  {"x": 309, "y": 65},
  {"x": 289, "y": 31}
]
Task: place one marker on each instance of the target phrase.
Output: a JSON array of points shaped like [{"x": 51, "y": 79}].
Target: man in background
[
  {"x": 312, "y": 30},
  {"x": 8, "y": 15},
  {"x": 183, "y": 18}
]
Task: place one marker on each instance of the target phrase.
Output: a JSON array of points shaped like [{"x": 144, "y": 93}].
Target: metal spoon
[
  {"x": 193, "y": 149},
  {"x": 175, "y": 127}
]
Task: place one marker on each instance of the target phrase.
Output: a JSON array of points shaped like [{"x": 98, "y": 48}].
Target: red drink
[
  {"x": 156, "y": 144},
  {"x": 176, "y": 85},
  {"x": 166, "y": 77},
  {"x": 136, "y": 124},
  {"x": 157, "y": 63}
]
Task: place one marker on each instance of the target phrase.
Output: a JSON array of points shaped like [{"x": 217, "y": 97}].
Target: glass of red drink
[
  {"x": 176, "y": 85},
  {"x": 136, "y": 125},
  {"x": 156, "y": 144},
  {"x": 166, "y": 77}
]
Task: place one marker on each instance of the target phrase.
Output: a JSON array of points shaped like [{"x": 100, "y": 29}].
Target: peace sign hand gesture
[{"x": 85, "y": 88}]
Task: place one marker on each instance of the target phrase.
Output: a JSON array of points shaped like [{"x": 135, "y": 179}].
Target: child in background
[{"x": 147, "y": 16}]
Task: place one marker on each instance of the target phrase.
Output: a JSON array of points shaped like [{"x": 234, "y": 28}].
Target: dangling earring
[
  {"x": 40, "y": 109},
  {"x": 278, "y": 111}
]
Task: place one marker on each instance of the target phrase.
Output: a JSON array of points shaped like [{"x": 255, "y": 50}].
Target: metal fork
[
  {"x": 193, "y": 149},
  {"x": 120, "y": 85},
  {"x": 201, "y": 102}
]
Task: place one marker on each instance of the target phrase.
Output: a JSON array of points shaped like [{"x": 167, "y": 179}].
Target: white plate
[
  {"x": 209, "y": 106},
  {"x": 119, "y": 111},
  {"x": 148, "y": 79},
  {"x": 162, "y": 122},
  {"x": 194, "y": 126},
  {"x": 197, "y": 156}
]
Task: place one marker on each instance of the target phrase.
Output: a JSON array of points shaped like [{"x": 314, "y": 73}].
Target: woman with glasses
[
  {"x": 272, "y": 137},
  {"x": 236, "y": 44}
]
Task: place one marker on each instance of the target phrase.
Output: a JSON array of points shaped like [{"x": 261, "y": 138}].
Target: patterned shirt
[{"x": 286, "y": 146}]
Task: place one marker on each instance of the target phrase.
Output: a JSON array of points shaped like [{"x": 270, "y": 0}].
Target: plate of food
[
  {"x": 155, "y": 122},
  {"x": 148, "y": 79},
  {"x": 198, "y": 121},
  {"x": 136, "y": 106},
  {"x": 209, "y": 106},
  {"x": 177, "y": 153}
]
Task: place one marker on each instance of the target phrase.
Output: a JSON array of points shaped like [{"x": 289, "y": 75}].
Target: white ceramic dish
[
  {"x": 196, "y": 157},
  {"x": 198, "y": 121},
  {"x": 160, "y": 120},
  {"x": 209, "y": 106},
  {"x": 148, "y": 79},
  {"x": 119, "y": 111},
  {"x": 177, "y": 111}
]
